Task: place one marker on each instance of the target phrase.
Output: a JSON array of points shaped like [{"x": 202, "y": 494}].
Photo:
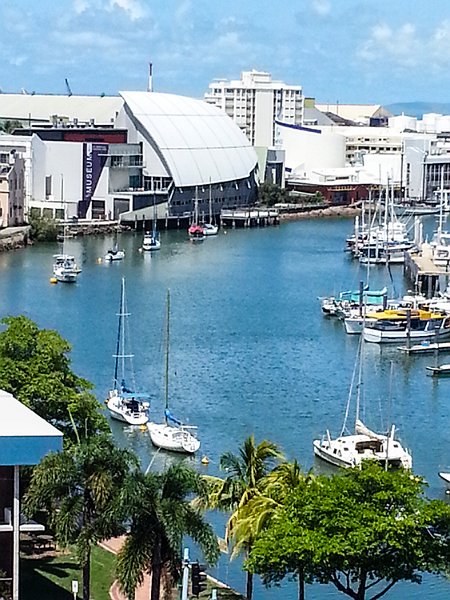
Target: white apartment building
[{"x": 254, "y": 103}]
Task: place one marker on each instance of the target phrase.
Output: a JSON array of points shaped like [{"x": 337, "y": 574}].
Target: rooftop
[{"x": 25, "y": 437}]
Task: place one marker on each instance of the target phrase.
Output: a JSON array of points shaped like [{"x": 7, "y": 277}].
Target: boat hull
[
  {"x": 111, "y": 256},
  {"x": 379, "y": 336},
  {"x": 174, "y": 439},
  {"x": 441, "y": 371},
  {"x": 210, "y": 229},
  {"x": 445, "y": 477},
  {"x": 344, "y": 453},
  {"x": 119, "y": 410}
]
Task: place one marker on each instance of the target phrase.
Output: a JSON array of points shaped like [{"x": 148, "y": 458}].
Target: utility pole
[{"x": 184, "y": 589}]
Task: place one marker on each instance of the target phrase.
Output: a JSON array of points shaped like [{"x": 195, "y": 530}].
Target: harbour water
[{"x": 250, "y": 349}]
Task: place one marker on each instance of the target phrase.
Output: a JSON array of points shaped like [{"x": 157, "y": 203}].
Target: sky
[{"x": 347, "y": 51}]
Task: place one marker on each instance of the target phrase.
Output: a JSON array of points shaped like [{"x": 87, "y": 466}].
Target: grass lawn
[{"x": 50, "y": 577}]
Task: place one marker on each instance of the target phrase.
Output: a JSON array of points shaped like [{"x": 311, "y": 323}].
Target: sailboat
[
  {"x": 65, "y": 268},
  {"x": 114, "y": 253},
  {"x": 210, "y": 228},
  {"x": 124, "y": 404},
  {"x": 196, "y": 231},
  {"x": 172, "y": 434},
  {"x": 350, "y": 450},
  {"x": 151, "y": 239}
]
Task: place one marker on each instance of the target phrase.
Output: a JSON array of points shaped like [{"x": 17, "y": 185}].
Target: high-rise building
[{"x": 255, "y": 102}]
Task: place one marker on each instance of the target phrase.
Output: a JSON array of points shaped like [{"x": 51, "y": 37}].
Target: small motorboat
[
  {"x": 440, "y": 371},
  {"x": 114, "y": 254},
  {"x": 445, "y": 477},
  {"x": 196, "y": 233}
]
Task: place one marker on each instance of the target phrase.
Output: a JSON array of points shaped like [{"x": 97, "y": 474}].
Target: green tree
[
  {"x": 245, "y": 478},
  {"x": 265, "y": 507},
  {"x": 35, "y": 368},
  {"x": 42, "y": 228},
  {"x": 159, "y": 512},
  {"x": 8, "y": 126},
  {"x": 363, "y": 531},
  {"x": 79, "y": 488},
  {"x": 270, "y": 194}
]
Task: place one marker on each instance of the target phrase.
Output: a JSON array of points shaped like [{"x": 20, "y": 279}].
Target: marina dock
[
  {"x": 423, "y": 273},
  {"x": 249, "y": 217},
  {"x": 426, "y": 348}
]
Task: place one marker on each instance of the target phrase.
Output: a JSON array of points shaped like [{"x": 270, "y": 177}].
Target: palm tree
[
  {"x": 264, "y": 507},
  {"x": 160, "y": 514},
  {"x": 79, "y": 487},
  {"x": 246, "y": 473}
]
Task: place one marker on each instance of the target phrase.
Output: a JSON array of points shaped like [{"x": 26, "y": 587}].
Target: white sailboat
[
  {"x": 172, "y": 434},
  {"x": 210, "y": 228},
  {"x": 65, "y": 268},
  {"x": 114, "y": 253},
  {"x": 125, "y": 404},
  {"x": 151, "y": 241},
  {"x": 350, "y": 450}
]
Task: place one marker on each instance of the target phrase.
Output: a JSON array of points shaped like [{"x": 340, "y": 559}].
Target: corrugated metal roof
[
  {"x": 199, "y": 142},
  {"x": 41, "y": 108},
  {"x": 355, "y": 112}
]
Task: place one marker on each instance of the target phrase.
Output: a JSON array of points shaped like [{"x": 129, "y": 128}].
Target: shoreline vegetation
[
  {"x": 15, "y": 238},
  {"x": 317, "y": 213}
]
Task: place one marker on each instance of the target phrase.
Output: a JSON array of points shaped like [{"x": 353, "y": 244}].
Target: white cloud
[
  {"x": 401, "y": 46},
  {"x": 321, "y": 7},
  {"x": 182, "y": 12},
  {"x": 133, "y": 8},
  {"x": 87, "y": 39},
  {"x": 17, "y": 60},
  {"x": 80, "y": 6}
]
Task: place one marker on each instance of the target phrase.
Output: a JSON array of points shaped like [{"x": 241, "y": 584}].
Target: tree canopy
[
  {"x": 79, "y": 488},
  {"x": 35, "y": 368},
  {"x": 246, "y": 471},
  {"x": 362, "y": 530},
  {"x": 159, "y": 512}
]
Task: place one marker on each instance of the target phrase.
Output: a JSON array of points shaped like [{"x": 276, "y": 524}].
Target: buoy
[
  {"x": 53, "y": 280},
  {"x": 139, "y": 249},
  {"x": 205, "y": 460},
  {"x": 99, "y": 260},
  {"x": 143, "y": 427}
]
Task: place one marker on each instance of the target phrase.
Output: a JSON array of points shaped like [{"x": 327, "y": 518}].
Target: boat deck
[{"x": 426, "y": 348}]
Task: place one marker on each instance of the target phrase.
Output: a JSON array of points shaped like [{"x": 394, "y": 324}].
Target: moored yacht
[
  {"x": 351, "y": 450},
  {"x": 65, "y": 268},
  {"x": 391, "y": 326}
]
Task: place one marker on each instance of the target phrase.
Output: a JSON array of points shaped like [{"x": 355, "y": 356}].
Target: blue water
[{"x": 250, "y": 349}]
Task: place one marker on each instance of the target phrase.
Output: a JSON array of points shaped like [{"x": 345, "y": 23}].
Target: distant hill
[{"x": 418, "y": 109}]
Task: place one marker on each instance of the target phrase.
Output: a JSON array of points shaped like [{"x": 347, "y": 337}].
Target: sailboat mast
[
  {"x": 119, "y": 333},
  {"x": 360, "y": 377},
  {"x": 166, "y": 375},
  {"x": 210, "y": 203},
  {"x": 154, "y": 215}
]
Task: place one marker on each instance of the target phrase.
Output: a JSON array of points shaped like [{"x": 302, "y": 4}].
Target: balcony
[{"x": 25, "y": 524}]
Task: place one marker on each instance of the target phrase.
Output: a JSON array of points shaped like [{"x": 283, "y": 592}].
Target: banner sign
[{"x": 94, "y": 159}]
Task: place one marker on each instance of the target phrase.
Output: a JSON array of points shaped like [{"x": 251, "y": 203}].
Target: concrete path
[{"x": 143, "y": 591}]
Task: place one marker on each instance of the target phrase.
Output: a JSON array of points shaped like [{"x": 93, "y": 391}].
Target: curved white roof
[{"x": 199, "y": 142}]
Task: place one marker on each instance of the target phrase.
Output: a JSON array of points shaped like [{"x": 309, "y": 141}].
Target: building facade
[
  {"x": 254, "y": 103},
  {"x": 25, "y": 438},
  {"x": 12, "y": 189}
]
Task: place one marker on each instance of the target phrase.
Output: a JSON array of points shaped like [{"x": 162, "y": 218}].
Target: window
[{"x": 48, "y": 186}]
